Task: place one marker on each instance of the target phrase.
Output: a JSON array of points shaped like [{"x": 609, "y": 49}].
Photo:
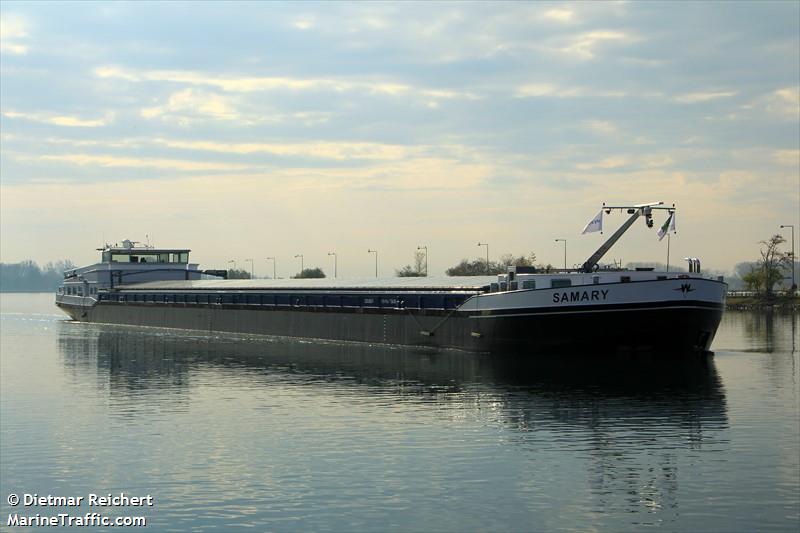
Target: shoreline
[{"x": 756, "y": 303}]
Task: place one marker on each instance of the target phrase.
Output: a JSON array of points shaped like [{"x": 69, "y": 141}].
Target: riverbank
[{"x": 743, "y": 301}]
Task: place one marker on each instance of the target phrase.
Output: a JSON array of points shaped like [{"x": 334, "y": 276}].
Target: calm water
[{"x": 238, "y": 432}]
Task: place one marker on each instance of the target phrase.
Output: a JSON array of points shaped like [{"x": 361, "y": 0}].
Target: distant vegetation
[
  {"x": 307, "y": 273},
  {"x": 418, "y": 270},
  {"x": 771, "y": 268},
  {"x": 27, "y": 276},
  {"x": 478, "y": 267},
  {"x": 234, "y": 273}
]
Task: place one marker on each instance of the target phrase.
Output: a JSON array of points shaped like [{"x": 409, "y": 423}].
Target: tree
[
  {"x": 238, "y": 274},
  {"x": 27, "y": 276},
  {"x": 752, "y": 280},
  {"x": 418, "y": 270},
  {"x": 478, "y": 267},
  {"x": 408, "y": 272},
  {"x": 744, "y": 268},
  {"x": 773, "y": 262},
  {"x": 507, "y": 260},
  {"x": 307, "y": 273}
]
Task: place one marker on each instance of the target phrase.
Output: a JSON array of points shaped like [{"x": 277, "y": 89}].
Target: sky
[{"x": 254, "y": 130}]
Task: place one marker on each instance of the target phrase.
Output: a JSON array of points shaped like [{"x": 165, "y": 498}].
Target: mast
[{"x": 635, "y": 211}]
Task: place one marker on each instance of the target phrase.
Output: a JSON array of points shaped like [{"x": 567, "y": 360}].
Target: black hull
[{"x": 669, "y": 329}]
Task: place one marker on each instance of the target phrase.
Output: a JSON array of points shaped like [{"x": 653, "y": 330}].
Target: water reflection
[
  {"x": 622, "y": 423},
  {"x": 764, "y": 331},
  {"x": 682, "y": 391}
]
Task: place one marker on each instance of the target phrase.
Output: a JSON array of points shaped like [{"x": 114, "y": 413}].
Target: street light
[
  {"x": 376, "y": 260},
  {"x": 234, "y": 263},
  {"x": 487, "y": 255},
  {"x": 273, "y": 265},
  {"x": 565, "y": 251},
  {"x": 794, "y": 283},
  {"x": 334, "y": 263},
  {"x": 301, "y": 262},
  {"x": 252, "y": 269},
  {"x": 426, "y": 258}
]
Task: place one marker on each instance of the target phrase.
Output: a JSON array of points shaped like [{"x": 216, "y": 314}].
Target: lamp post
[
  {"x": 486, "y": 244},
  {"x": 565, "y": 251},
  {"x": 301, "y": 262},
  {"x": 376, "y": 260},
  {"x": 273, "y": 265},
  {"x": 794, "y": 283},
  {"x": 334, "y": 263},
  {"x": 426, "y": 257},
  {"x": 252, "y": 269},
  {"x": 234, "y": 263}
]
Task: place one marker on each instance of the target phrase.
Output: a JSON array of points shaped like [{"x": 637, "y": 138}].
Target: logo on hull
[{"x": 685, "y": 288}]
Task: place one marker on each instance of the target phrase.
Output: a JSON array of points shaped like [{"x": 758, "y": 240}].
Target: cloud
[
  {"x": 539, "y": 90},
  {"x": 790, "y": 95},
  {"x": 141, "y": 162},
  {"x": 789, "y": 158},
  {"x": 559, "y": 14},
  {"x": 61, "y": 120},
  {"x": 420, "y": 173},
  {"x": 183, "y": 105},
  {"x": 607, "y": 163},
  {"x": 584, "y": 46},
  {"x": 655, "y": 161},
  {"x": 634, "y": 163},
  {"x": 13, "y": 34},
  {"x": 697, "y": 97},
  {"x": 247, "y": 84},
  {"x": 785, "y": 103},
  {"x": 603, "y": 127},
  {"x": 303, "y": 23},
  {"x": 328, "y": 150}
]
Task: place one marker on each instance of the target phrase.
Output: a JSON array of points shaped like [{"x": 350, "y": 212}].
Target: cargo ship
[{"x": 585, "y": 310}]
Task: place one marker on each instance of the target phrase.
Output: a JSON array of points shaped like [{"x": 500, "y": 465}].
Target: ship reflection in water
[{"x": 540, "y": 434}]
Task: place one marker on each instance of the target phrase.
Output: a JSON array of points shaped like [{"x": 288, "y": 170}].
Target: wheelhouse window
[{"x": 145, "y": 257}]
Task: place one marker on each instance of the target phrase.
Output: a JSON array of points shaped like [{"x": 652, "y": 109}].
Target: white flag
[
  {"x": 668, "y": 226},
  {"x": 596, "y": 224}
]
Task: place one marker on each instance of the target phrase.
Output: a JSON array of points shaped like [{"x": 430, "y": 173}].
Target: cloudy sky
[{"x": 252, "y": 130}]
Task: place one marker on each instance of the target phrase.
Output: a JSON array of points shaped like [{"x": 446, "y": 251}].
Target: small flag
[
  {"x": 668, "y": 226},
  {"x": 596, "y": 224}
]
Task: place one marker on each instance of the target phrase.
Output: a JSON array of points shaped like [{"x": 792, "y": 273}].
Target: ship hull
[{"x": 666, "y": 327}]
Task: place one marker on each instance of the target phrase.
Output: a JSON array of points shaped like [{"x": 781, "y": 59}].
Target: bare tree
[
  {"x": 773, "y": 262},
  {"x": 418, "y": 270},
  {"x": 419, "y": 263}
]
